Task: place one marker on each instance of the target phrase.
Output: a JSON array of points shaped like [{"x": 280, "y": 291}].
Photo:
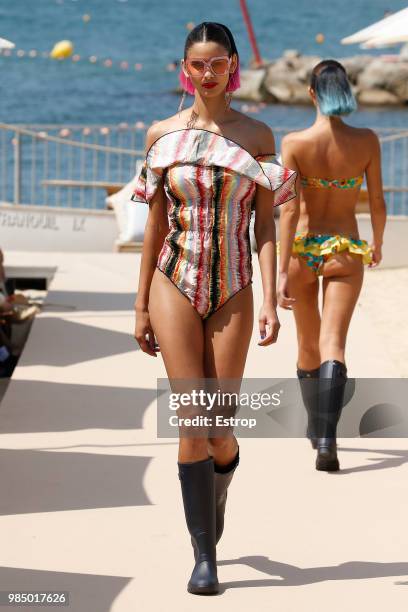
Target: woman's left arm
[
  {"x": 265, "y": 235},
  {"x": 378, "y": 209},
  {"x": 289, "y": 217}
]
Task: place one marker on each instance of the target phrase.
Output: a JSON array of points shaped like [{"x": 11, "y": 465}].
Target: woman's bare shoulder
[
  {"x": 265, "y": 137},
  {"x": 367, "y": 133},
  {"x": 296, "y": 138},
  {"x": 258, "y": 133},
  {"x": 365, "y": 139},
  {"x": 157, "y": 130},
  {"x": 360, "y": 133},
  {"x": 255, "y": 125},
  {"x": 171, "y": 124}
]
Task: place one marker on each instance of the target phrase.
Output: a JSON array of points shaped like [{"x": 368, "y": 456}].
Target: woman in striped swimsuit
[
  {"x": 206, "y": 170},
  {"x": 327, "y": 244}
]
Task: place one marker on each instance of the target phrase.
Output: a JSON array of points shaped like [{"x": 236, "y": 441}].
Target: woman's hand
[
  {"x": 284, "y": 300},
  {"x": 376, "y": 250},
  {"x": 144, "y": 334},
  {"x": 268, "y": 318}
]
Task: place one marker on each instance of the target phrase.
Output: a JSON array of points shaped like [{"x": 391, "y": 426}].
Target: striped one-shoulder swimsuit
[{"x": 210, "y": 184}]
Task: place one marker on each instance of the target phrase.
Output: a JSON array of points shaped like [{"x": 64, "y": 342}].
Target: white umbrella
[
  {"x": 399, "y": 34},
  {"x": 380, "y": 30},
  {"x": 6, "y": 44}
]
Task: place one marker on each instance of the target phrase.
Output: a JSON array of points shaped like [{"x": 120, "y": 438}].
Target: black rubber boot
[
  {"x": 332, "y": 383},
  {"x": 309, "y": 387},
  {"x": 198, "y": 491},
  {"x": 223, "y": 475}
]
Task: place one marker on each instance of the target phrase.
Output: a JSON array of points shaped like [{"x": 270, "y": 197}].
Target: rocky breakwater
[{"x": 376, "y": 81}]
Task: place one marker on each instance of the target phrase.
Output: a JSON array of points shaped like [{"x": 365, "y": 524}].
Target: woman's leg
[
  {"x": 342, "y": 281},
  {"x": 303, "y": 285},
  {"x": 227, "y": 335},
  {"x": 179, "y": 331},
  {"x": 228, "y": 332}
]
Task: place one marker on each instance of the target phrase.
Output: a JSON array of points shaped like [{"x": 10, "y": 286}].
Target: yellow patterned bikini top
[{"x": 319, "y": 183}]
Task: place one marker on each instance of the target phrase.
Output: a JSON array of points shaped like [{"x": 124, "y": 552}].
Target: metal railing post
[{"x": 17, "y": 167}]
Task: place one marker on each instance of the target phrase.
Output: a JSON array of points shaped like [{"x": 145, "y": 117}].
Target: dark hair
[
  {"x": 333, "y": 91},
  {"x": 211, "y": 31}
]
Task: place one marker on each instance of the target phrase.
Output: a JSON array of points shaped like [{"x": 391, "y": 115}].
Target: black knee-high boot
[
  {"x": 198, "y": 491},
  {"x": 309, "y": 387},
  {"x": 223, "y": 475},
  {"x": 332, "y": 383}
]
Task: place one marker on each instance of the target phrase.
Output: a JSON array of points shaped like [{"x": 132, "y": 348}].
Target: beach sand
[{"x": 384, "y": 300}]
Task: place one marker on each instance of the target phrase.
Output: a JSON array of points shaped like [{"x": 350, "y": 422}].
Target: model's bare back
[{"x": 331, "y": 152}]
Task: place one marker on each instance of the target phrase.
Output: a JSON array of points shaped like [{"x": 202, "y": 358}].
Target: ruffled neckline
[
  {"x": 205, "y": 147},
  {"x": 254, "y": 157},
  {"x": 197, "y": 146}
]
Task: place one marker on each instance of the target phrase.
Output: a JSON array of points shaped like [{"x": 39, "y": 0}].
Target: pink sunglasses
[{"x": 218, "y": 66}]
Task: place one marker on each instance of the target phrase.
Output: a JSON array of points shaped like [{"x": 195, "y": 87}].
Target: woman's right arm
[
  {"x": 289, "y": 217},
  {"x": 378, "y": 211},
  {"x": 155, "y": 232}
]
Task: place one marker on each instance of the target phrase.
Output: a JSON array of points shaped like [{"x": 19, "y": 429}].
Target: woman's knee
[
  {"x": 220, "y": 443},
  {"x": 194, "y": 447}
]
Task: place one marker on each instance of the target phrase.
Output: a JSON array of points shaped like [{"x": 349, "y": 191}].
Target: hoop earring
[
  {"x": 183, "y": 97},
  {"x": 187, "y": 87}
]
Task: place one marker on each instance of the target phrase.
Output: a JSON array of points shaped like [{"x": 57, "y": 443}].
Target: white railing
[
  {"x": 76, "y": 166},
  {"x": 66, "y": 166}
]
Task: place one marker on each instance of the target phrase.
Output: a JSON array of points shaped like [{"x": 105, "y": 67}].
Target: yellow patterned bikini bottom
[{"x": 315, "y": 249}]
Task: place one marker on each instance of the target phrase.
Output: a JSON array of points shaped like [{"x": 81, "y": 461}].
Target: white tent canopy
[
  {"x": 390, "y": 30},
  {"x": 6, "y": 44},
  {"x": 399, "y": 34}
]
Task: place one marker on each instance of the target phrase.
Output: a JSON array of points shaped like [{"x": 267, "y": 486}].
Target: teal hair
[{"x": 332, "y": 88}]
